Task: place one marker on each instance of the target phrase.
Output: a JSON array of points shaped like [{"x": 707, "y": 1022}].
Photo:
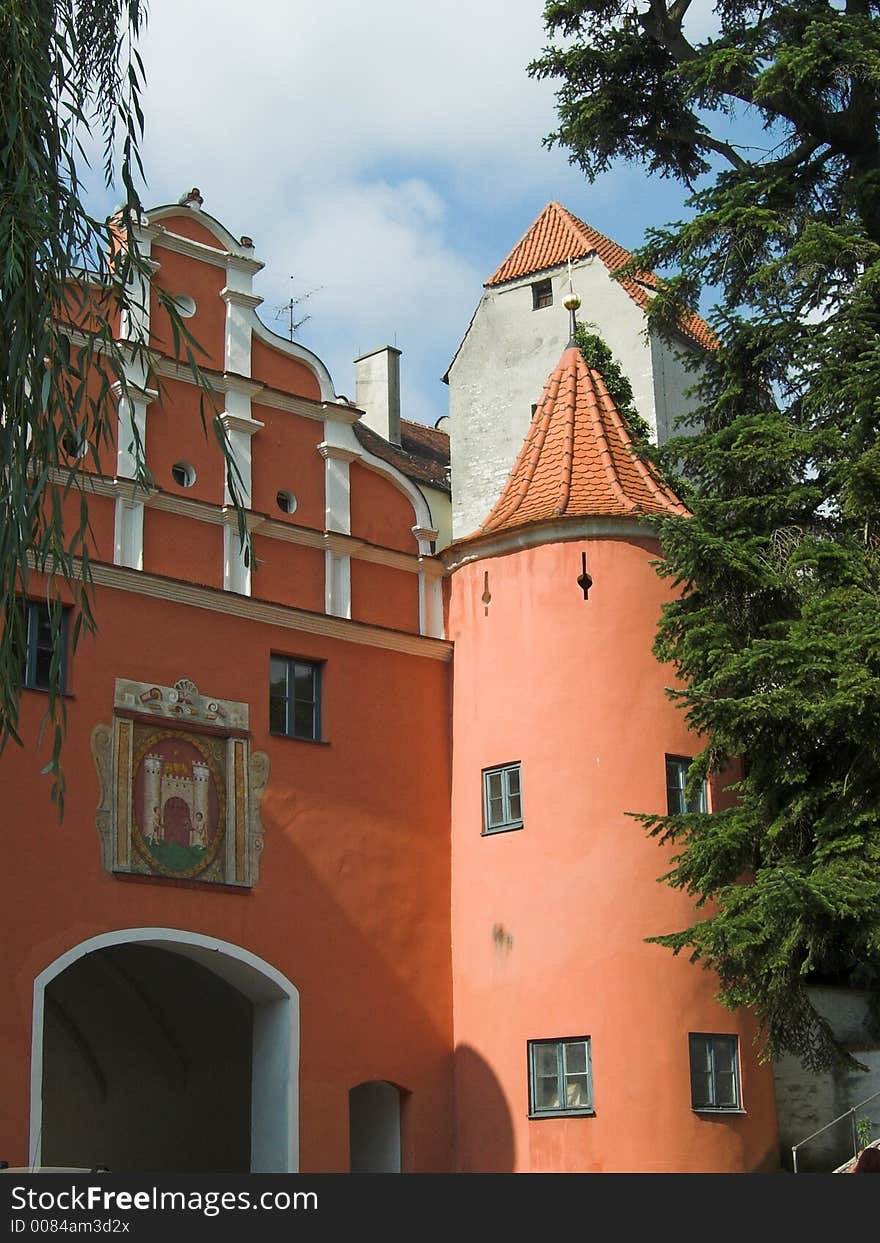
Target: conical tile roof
[
  {"x": 577, "y": 460},
  {"x": 558, "y": 235}
]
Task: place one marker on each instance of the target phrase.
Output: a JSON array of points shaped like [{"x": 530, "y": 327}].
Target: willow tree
[
  {"x": 776, "y": 626},
  {"x": 68, "y": 69}
]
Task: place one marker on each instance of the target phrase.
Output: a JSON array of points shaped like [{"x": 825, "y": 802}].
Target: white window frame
[
  {"x": 508, "y": 820},
  {"x": 562, "y": 1110}
]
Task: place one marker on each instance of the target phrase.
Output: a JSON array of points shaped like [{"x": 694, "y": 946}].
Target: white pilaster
[
  {"x": 135, "y": 318},
  {"x": 426, "y": 537},
  {"x": 236, "y": 574},
  {"x": 241, "y": 302},
  {"x": 337, "y": 585},
  {"x": 430, "y": 604},
  {"x": 337, "y": 486},
  {"x": 240, "y": 428},
  {"x": 128, "y": 533}
]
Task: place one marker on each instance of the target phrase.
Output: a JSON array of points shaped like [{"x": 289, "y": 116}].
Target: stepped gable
[
  {"x": 577, "y": 460},
  {"x": 557, "y": 236}
]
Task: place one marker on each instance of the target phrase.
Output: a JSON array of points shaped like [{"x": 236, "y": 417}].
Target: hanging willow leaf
[{"x": 67, "y": 280}]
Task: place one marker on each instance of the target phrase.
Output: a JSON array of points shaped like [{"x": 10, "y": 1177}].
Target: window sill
[
  {"x": 43, "y": 690},
  {"x": 562, "y": 1113},
  {"x": 709, "y": 1109},
  {"x": 502, "y": 828},
  {"x": 315, "y": 742}
]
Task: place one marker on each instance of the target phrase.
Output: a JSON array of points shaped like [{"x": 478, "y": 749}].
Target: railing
[{"x": 851, "y": 1114}]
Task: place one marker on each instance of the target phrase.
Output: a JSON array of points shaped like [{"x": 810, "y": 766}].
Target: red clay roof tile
[
  {"x": 557, "y": 236},
  {"x": 422, "y": 455},
  {"x": 577, "y": 460}
]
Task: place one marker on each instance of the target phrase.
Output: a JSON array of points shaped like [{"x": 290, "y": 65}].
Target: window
[
  {"x": 542, "y": 294},
  {"x": 676, "y": 780},
  {"x": 295, "y": 698},
  {"x": 714, "y": 1072},
  {"x": 502, "y": 798},
  {"x": 183, "y": 474},
  {"x": 36, "y": 658},
  {"x": 560, "y": 1079}
]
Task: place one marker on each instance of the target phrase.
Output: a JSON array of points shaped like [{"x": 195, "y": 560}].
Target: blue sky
[{"x": 385, "y": 155}]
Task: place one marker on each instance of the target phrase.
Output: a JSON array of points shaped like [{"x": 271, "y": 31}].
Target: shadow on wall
[{"x": 484, "y": 1128}]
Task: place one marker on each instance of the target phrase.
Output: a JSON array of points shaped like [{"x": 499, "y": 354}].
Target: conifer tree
[{"x": 775, "y": 629}]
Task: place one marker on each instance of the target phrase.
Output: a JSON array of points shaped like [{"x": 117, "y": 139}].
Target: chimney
[{"x": 377, "y": 391}]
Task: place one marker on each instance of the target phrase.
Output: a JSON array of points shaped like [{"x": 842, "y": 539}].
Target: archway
[
  {"x": 157, "y": 1049},
  {"x": 374, "y": 1128}
]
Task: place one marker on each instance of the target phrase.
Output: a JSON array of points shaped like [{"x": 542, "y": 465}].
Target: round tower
[{"x": 579, "y": 1046}]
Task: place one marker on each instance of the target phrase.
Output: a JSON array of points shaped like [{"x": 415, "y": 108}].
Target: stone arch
[{"x": 275, "y": 1057}]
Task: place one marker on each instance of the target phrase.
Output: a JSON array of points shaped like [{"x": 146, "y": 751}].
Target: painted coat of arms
[{"x": 180, "y": 789}]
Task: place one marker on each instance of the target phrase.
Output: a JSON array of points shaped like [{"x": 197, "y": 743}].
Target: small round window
[
  {"x": 286, "y": 502},
  {"x": 184, "y": 305},
  {"x": 75, "y": 444},
  {"x": 183, "y": 474}
]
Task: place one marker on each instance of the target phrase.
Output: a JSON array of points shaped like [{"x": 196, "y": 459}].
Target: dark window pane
[
  {"x": 515, "y": 808},
  {"x": 493, "y": 784},
  {"x": 576, "y": 1058},
  {"x": 724, "y": 1055},
  {"x": 496, "y": 811},
  {"x": 542, "y": 294},
  {"x": 512, "y": 780},
  {"x": 42, "y": 670},
  {"x": 547, "y": 1093},
  {"x": 701, "y": 1089},
  {"x": 545, "y": 1059},
  {"x": 303, "y": 720},
  {"x": 725, "y": 1089},
  {"x": 277, "y": 716},
  {"x": 36, "y": 659},
  {"x": 304, "y": 683},
  {"x": 278, "y": 677}
]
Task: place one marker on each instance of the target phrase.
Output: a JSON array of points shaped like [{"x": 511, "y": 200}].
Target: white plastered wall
[{"x": 506, "y": 358}]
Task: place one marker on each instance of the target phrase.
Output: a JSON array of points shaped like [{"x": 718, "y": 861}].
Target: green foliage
[
  {"x": 66, "y": 67},
  {"x": 598, "y": 356},
  {"x": 775, "y": 628}
]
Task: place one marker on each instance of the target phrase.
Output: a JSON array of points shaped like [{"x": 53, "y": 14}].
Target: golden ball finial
[{"x": 571, "y": 301}]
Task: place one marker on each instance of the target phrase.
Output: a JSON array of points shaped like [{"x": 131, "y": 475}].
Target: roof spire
[
  {"x": 571, "y": 302},
  {"x": 577, "y": 460}
]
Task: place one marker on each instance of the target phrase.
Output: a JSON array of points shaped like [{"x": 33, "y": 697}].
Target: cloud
[
  {"x": 384, "y": 271},
  {"x": 385, "y": 155},
  {"x": 295, "y": 90}
]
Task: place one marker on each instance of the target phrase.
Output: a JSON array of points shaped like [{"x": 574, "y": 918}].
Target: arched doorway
[
  {"x": 160, "y": 1050},
  {"x": 374, "y": 1128}
]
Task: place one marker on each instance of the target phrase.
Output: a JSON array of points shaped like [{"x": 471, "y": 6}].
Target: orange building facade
[{"x": 345, "y": 878}]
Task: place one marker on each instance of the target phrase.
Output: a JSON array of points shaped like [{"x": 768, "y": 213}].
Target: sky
[{"x": 384, "y": 156}]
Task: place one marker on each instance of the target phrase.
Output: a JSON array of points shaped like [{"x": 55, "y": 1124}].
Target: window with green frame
[
  {"x": 295, "y": 698},
  {"x": 560, "y": 1077},
  {"x": 677, "y": 768},
  {"x": 502, "y": 798},
  {"x": 36, "y": 649},
  {"x": 714, "y": 1071}
]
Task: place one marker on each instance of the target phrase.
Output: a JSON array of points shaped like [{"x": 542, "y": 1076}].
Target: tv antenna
[{"x": 289, "y": 310}]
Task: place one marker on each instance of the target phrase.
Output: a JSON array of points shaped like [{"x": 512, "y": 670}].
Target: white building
[{"x": 515, "y": 339}]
